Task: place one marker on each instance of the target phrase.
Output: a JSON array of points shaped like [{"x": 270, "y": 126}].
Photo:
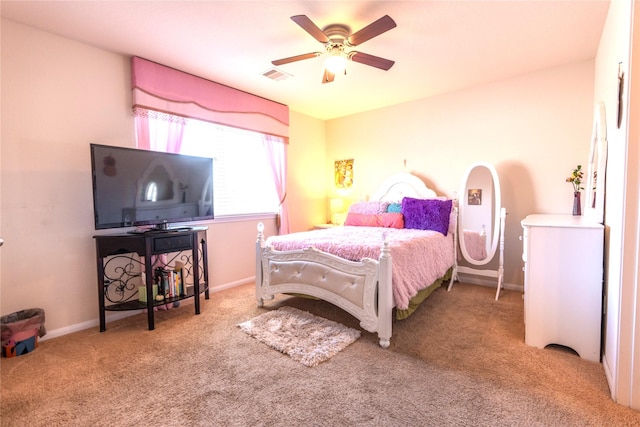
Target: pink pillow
[{"x": 387, "y": 220}]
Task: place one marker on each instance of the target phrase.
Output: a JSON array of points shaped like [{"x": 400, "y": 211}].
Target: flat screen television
[{"x": 149, "y": 190}]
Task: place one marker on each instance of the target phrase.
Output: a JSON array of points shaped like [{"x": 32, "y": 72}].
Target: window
[
  {"x": 242, "y": 179},
  {"x": 151, "y": 193}
]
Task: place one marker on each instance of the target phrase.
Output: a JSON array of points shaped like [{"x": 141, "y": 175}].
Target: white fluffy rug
[{"x": 308, "y": 339}]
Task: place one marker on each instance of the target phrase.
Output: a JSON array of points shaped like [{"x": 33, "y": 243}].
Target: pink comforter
[
  {"x": 476, "y": 244},
  {"x": 419, "y": 256}
]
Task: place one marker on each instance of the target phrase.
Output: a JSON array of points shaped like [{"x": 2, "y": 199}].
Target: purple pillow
[{"x": 427, "y": 214}]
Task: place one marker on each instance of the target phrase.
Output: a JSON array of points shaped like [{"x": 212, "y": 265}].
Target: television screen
[{"x": 137, "y": 188}]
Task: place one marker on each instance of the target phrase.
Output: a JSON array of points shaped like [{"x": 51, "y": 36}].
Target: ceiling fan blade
[
  {"x": 328, "y": 76},
  {"x": 311, "y": 28},
  {"x": 372, "y": 30},
  {"x": 296, "y": 58},
  {"x": 374, "y": 61}
]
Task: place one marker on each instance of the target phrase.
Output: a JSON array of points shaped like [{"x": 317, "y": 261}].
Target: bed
[{"x": 378, "y": 262}]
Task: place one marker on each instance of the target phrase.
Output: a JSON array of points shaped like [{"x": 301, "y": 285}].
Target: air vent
[{"x": 275, "y": 74}]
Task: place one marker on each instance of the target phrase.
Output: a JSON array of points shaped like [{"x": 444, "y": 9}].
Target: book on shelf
[{"x": 170, "y": 282}]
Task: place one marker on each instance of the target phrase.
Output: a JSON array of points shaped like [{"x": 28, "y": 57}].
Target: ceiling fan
[{"x": 336, "y": 39}]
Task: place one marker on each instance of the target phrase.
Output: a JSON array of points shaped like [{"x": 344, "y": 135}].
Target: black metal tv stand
[{"x": 119, "y": 269}]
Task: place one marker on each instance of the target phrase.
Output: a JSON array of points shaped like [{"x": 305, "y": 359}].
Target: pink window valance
[{"x": 160, "y": 88}]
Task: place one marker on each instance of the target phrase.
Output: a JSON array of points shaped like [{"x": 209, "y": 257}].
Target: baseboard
[
  {"x": 110, "y": 317},
  {"x": 117, "y": 315},
  {"x": 113, "y": 316},
  {"x": 490, "y": 282},
  {"x": 229, "y": 285}
]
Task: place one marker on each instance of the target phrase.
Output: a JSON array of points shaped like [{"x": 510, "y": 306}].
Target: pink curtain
[
  {"x": 276, "y": 149},
  {"x": 164, "y": 92},
  {"x": 158, "y": 131},
  {"x": 160, "y": 88},
  {"x": 142, "y": 131}
]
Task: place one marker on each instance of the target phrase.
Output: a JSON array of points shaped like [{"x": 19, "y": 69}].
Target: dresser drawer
[{"x": 172, "y": 243}]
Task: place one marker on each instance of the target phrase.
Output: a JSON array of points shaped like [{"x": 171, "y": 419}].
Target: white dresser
[{"x": 563, "y": 279}]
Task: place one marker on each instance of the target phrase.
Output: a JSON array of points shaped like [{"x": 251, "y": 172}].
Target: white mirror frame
[
  {"x": 462, "y": 211},
  {"x": 499, "y": 217},
  {"x": 594, "y": 205}
]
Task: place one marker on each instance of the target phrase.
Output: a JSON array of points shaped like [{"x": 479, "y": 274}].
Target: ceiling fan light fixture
[
  {"x": 337, "y": 37},
  {"x": 336, "y": 62}
]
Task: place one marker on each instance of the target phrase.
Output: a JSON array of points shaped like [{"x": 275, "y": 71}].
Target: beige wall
[
  {"x": 534, "y": 129},
  {"x": 621, "y": 358},
  {"x": 58, "y": 96},
  {"x": 614, "y": 48},
  {"x": 306, "y": 190}
]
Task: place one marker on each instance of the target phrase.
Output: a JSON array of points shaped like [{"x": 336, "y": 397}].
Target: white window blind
[{"x": 242, "y": 182}]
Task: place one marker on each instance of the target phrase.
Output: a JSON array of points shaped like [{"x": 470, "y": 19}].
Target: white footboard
[{"x": 363, "y": 288}]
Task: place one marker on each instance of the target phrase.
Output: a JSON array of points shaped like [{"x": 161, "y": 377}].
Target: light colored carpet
[
  {"x": 308, "y": 339},
  {"x": 460, "y": 360}
]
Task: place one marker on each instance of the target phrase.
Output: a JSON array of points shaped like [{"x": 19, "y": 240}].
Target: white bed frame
[{"x": 363, "y": 288}]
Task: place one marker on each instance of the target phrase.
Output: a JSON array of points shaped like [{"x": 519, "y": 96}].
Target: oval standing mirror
[
  {"x": 479, "y": 213},
  {"x": 481, "y": 221}
]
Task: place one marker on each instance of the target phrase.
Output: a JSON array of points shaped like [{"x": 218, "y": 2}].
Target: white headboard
[{"x": 400, "y": 185}]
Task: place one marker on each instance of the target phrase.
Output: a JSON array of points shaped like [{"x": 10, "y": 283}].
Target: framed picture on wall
[
  {"x": 344, "y": 173},
  {"x": 474, "y": 198}
]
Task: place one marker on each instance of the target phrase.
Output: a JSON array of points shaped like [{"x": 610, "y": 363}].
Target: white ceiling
[{"x": 438, "y": 46}]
